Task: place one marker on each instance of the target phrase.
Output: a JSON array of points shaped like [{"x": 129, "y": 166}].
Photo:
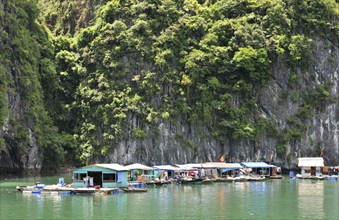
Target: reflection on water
[
  {"x": 311, "y": 199},
  {"x": 276, "y": 199}
]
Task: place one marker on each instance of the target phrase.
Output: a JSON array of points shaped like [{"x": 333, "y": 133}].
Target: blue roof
[
  {"x": 228, "y": 169},
  {"x": 257, "y": 165}
]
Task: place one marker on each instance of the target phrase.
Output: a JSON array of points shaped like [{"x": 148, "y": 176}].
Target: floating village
[{"x": 114, "y": 178}]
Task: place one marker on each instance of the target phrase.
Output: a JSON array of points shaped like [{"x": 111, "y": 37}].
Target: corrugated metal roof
[
  {"x": 257, "y": 165},
  {"x": 138, "y": 166},
  {"x": 112, "y": 166},
  {"x": 165, "y": 167},
  {"x": 310, "y": 162}
]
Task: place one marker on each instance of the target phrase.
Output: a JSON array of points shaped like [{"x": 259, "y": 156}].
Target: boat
[
  {"x": 236, "y": 179},
  {"x": 130, "y": 189},
  {"x": 276, "y": 177},
  {"x": 161, "y": 182},
  {"x": 220, "y": 179},
  {"x": 25, "y": 188},
  {"x": 255, "y": 178},
  {"x": 207, "y": 180},
  {"x": 298, "y": 176},
  {"x": 201, "y": 181},
  {"x": 187, "y": 180}
]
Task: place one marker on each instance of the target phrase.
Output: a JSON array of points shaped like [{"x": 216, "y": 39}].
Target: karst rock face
[
  {"x": 178, "y": 140},
  {"x": 18, "y": 154},
  {"x": 320, "y": 138}
]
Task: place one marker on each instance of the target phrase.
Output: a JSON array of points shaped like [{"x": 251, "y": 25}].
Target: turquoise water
[{"x": 271, "y": 199}]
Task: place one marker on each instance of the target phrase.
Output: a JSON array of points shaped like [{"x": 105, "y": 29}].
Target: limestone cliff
[
  {"x": 26, "y": 130},
  {"x": 320, "y": 137},
  {"x": 165, "y": 82}
]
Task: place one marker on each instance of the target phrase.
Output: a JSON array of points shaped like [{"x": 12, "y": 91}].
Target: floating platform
[
  {"x": 310, "y": 177},
  {"x": 323, "y": 177},
  {"x": 64, "y": 190},
  {"x": 332, "y": 178}
]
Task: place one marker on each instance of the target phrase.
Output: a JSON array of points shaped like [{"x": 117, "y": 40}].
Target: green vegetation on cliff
[
  {"x": 203, "y": 61},
  {"x": 27, "y": 72}
]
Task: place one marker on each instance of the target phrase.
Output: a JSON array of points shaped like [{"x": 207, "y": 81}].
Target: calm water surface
[{"x": 272, "y": 199}]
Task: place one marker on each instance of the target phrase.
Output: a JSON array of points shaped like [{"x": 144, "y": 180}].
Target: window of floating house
[
  {"x": 109, "y": 177},
  {"x": 79, "y": 176}
]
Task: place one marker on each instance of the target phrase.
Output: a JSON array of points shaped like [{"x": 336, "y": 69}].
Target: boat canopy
[{"x": 257, "y": 165}]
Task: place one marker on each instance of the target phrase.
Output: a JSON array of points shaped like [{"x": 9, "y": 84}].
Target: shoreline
[{"x": 15, "y": 173}]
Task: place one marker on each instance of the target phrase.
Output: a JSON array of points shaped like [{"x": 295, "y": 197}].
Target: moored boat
[
  {"x": 161, "y": 182},
  {"x": 255, "y": 178},
  {"x": 276, "y": 177},
  {"x": 298, "y": 176},
  {"x": 129, "y": 189},
  {"x": 187, "y": 180},
  {"x": 207, "y": 180},
  {"x": 236, "y": 179}
]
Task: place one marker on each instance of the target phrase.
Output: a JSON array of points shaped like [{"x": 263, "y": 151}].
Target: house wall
[
  {"x": 121, "y": 177},
  {"x": 307, "y": 171},
  {"x": 122, "y": 180},
  {"x": 135, "y": 173}
]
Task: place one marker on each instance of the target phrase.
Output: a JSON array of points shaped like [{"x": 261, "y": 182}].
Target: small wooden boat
[
  {"x": 220, "y": 179},
  {"x": 256, "y": 178},
  {"x": 236, "y": 179},
  {"x": 276, "y": 177},
  {"x": 185, "y": 180},
  {"x": 298, "y": 176},
  {"x": 129, "y": 189},
  {"x": 207, "y": 181},
  {"x": 190, "y": 180},
  {"x": 25, "y": 188},
  {"x": 161, "y": 182}
]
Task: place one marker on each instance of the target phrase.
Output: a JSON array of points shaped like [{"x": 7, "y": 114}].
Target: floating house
[
  {"x": 164, "y": 171},
  {"x": 205, "y": 169},
  {"x": 226, "y": 169},
  {"x": 184, "y": 170},
  {"x": 137, "y": 170},
  {"x": 259, "y": 168},
  {"x": 102, "y": 175},
  {"x": 310, "y": 166}
]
